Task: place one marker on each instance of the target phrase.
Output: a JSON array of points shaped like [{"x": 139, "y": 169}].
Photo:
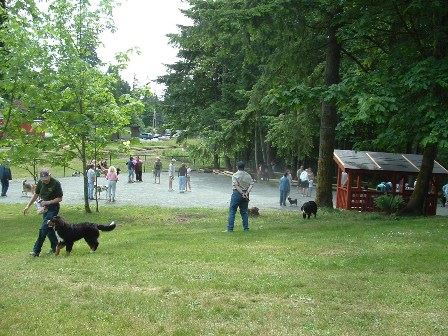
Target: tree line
[{"x": 294, "y": 79}]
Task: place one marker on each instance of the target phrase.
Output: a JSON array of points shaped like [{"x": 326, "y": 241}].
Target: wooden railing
[{"x": 364, "y": 200}]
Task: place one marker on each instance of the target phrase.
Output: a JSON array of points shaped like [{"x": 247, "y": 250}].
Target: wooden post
[{"x": 349, "y": 190}]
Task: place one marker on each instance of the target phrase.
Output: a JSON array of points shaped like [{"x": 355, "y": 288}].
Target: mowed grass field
[{"x": 170, "y": 271}]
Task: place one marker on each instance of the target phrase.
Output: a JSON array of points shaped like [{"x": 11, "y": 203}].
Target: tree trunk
[
  {"x": 216, "y": 161},
  {"x": 255, "y": 150},
  {"x": 328, "y": 121},
  {"x": 416, "y": 205},
  {"x": 228, "y": 163},
  {"x": 295, "y": 167},
  {"x": 263, "y": 147},
  {"x": 84, "y": 169},
  {"x": 269, "y": 156},
  {"x": 3, "y": 15}
]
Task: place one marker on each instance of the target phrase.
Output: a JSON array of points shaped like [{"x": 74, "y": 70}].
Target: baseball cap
[{"x": 44, "y": 174}]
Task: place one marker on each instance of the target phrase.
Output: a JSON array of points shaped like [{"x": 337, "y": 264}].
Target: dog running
[
  {"x": 27, "y": 187},
  {"x": 309, "y": 208},
  {"x": 68, "y": 233},
  {"x": 292, "y": 201}
]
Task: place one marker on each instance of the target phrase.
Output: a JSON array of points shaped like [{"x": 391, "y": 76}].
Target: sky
[{"x": 144, "y": 24}]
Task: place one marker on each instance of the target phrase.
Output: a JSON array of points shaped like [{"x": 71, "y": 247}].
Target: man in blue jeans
[
  {"x": 49, "y": 192},
  {"x": 242, "y": 184},
  {"x": 5, "y": 177}
]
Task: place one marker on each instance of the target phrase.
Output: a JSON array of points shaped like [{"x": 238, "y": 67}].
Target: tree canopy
[{"x": 293, "y": 79}]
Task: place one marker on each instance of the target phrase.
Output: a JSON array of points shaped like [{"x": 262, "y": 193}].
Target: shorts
[
  {"x": 157, "y": 173},
  {"x": 304, "y": 184}
]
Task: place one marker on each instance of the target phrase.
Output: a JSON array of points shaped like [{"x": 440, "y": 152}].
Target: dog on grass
[
  {"x": 28, "y": 187},
  {"x": 254, "y": 211},
  {"x": 292, "y": 201},
  {"x": 67, "y": 233},
  {"x": 309, "y": 208}
]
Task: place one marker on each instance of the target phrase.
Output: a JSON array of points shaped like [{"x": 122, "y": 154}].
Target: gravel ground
[{"x": 208, "y": 190}]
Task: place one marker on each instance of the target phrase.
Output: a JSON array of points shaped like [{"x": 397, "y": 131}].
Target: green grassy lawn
[{"x": 175, "y": 272}]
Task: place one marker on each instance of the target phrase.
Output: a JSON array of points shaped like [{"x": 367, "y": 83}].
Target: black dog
[
  {"x": 309, "y": 208},
  {"x": 67, "y": 233},
  {"x": 292, "y": 201}
]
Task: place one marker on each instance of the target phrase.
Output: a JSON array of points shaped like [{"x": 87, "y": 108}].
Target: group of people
[
  {"x": 135, "y": 169},
  {"x": 184, "y": 175},
  {"x": 305, "y": 181},
  {"x": 111, "y": 174},
  {"x": 135, "y": 172},
  {"x": 305, "y": 184},
  {"x": 48, "y": 196}
]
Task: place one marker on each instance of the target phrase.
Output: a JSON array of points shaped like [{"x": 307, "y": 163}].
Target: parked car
[{"x": 146, "y": 136}]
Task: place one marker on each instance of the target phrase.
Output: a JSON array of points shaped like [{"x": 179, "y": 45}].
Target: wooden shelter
[{"x": 354, "y": 166}]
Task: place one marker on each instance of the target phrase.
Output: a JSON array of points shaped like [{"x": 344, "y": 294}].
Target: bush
[{"x": 389, "y": 204}]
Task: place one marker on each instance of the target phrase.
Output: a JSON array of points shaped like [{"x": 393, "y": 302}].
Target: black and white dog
[
  {"x": 68, "y": 233},
  {"x": 309, "y": 208}
]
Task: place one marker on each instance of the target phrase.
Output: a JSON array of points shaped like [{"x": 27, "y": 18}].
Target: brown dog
[{"x": 254, "y": 211}]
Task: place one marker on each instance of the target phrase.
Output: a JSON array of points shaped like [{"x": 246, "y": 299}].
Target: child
[{"x": 112, "y": 179}]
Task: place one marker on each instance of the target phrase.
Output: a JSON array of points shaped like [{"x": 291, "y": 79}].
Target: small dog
[
  {"x": 292, "y": 201},
  {"x": 67, "y": 233},
  {"x": 254, "y": 211},
  {"x": 27, "y": 188},
  {"x": 309, "y": 208},
  {"x": 100, "y": 189}
]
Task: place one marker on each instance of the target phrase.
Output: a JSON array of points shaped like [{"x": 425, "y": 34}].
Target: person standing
[
  {"x": 49, "y": 190},
  {"x": 5, "y": 177},
  {"x": 91, "y": 176},
  {"x": 131, "y": 169},
  {"x": 138, "y": 164},
  {"x": 285, "y": 188},
  {"x": 299, "y": 186},
  {"x": 188, "y": 179},
  {"x": 157, "y": 169},
  {"x": 112, "y": 179},
  {"x": 242, "y": 184},
  {"x": 445, "y": 193},
  {"x": 182, "y": 173},
  {"x": 310, "y": 182},
  {"x": 171, "y": 171},
  {"x": 303, "y": 180}
]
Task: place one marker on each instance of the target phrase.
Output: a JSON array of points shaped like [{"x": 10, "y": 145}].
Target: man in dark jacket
[
  {"x": 5, "y": 177},
  {"x": 48, "y": 195}
]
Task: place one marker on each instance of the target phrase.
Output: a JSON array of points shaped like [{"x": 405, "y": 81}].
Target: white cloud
[{"x": 144, "y": 24}]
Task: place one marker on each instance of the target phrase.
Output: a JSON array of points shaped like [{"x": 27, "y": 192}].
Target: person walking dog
[{"x": 48, "y": 195}]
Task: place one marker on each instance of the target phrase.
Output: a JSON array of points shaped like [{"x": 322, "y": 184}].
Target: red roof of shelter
[{"x": 378, "y": 161}]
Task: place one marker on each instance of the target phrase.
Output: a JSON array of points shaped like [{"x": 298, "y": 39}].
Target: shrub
[{"x": 389, "y": 204}]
